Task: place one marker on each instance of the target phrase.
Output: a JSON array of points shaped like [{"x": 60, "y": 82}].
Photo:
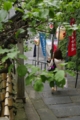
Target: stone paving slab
[
  {"x": 61, "y": 92},
  {"x": 63, "y": 105},
  {"x": 38, "y": 104},
  {"x": 75, "y": 99},
  {"x": 72, "y": 84},
  {"x": 57, "y": 100},
  {"x": 66, "y": 110},
  {"x": 46, "y": 114},
  {"x": 71, "y": 118},
  {"x": 43, "y": 111},
  {"x": 36, "y": 108},
  {"x": 32, "y": 93}
]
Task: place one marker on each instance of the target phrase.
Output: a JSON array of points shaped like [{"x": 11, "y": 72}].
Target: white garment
[
  {"x": 58, "y": 62},
  {"x": 66, "y": 84}
]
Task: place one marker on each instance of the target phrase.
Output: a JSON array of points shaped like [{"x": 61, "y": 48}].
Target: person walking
[
  {"x": 58, "y": 60},
  {"x": 56, "y": 63}
]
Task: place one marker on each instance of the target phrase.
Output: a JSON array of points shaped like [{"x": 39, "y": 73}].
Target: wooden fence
[{"x": 6, "y": 97}]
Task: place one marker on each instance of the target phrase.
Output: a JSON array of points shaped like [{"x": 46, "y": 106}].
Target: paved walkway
[{"x": 62, "y": 105}]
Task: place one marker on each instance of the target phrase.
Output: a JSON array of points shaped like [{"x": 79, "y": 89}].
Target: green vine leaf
[
  {"x": 51, "y": 83},
  {"x": 44, "y": 74},
  {"x": 10, "y": 68},
  {"x": 22, "y": 56},
  {"x": 20, "y": 31},
  {"x": 34, "y": 69},
  {"x": 7, "y": 5},
  {"x": 29, "y": 79},
  {"x": 60, "y": 83},
  {"x": 2, "y": 51},
  {"x": 38, "y": 85},
  {"x": 3, "y": 15},
  {"x": 13, "y": 54},
  {"x": 4, "y": 59},
  {"x": 22, "y": 70},
  {"x": 59, "y": 76}
]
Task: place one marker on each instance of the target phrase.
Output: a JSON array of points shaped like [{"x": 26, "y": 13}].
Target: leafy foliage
[
  {"x": 37, "y": 14},
  {"x": 7, "y": 5},
  {"x": 37, "y": 77}
]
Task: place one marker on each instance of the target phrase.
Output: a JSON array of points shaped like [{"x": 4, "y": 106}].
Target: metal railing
[{"x": 41, "y": 64}]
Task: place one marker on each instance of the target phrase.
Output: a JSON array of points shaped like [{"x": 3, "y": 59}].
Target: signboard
[
  {"x": 43, "y": 43},
  {"x": 72, "y": 41}
]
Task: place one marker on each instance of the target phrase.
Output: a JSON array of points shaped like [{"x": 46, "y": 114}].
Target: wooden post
[{"x": 20, "y": 80}]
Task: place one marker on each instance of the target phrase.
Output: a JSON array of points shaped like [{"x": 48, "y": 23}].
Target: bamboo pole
[
  {"x": 4, "y": 118},
  {"x": 9, "y": 83},
  {"x": 2, "y": 99},
  {"x": 6, "y": 102},
  {"x": 7, "y": 95},
  {"x": 9, "y": 78},
  {"x": 4, "y": 77},
  {"x": 11, "y": 110},
  {"x": 10, "y": 87},
  {"x": 6, "y": 107},
  {"x": 7, "y": 88},
  {"x": 6, "y": 111}
]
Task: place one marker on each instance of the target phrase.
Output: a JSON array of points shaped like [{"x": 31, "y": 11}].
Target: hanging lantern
[
  {"x": 51, "y": 26},
  {"x": 37, "y": 41},
  {"x": 60, "y": 33}
]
